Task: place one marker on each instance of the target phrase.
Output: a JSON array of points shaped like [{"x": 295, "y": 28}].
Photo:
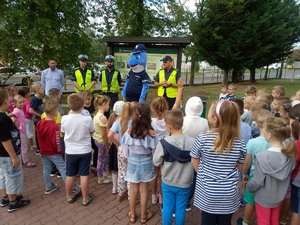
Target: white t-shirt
[
  {"x": 160, "y": 129},
  {"x": 77, "y": 129}
]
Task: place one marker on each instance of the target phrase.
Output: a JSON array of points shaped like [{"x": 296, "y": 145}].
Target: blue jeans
[
  {"x": 174, "y": 198},
  {"x": 48, "y": 162}
]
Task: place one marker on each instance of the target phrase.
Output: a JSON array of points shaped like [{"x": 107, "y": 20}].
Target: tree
[
  {"x": 140, "y": 18},
  {"x": 31, "y": 31},
  {"x": 235, "y": 34}
]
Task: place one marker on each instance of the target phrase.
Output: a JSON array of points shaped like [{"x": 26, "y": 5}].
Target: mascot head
[{"x": 138, "y": 58}]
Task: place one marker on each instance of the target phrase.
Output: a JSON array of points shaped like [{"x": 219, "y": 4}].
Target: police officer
[
  {"x": 110, "y": 80},
  {"x": 167, "y": 81},
  {"x": 83, "y": 78}
]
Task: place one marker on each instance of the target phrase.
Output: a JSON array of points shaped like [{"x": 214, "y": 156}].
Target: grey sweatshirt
[
  {"x": 174, "y": 173},
  {"x": 271, "y": 177}
]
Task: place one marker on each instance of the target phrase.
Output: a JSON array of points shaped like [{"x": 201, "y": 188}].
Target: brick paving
[{"x": 54, "y": 209}]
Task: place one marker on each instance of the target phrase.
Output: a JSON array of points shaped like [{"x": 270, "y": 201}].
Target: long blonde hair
[
  {"x": 227, "y": 126},
  {"x": 280, "y": 130},
  {"x": 128, "y": 113}
]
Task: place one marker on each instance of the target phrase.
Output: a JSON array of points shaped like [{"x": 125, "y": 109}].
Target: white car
[
  {"x": 22, "y": 78},
  {"x": 273, "y": 66}
]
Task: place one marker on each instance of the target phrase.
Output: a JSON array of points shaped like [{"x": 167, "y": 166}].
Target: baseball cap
[
  {"x": 109, "y": 58},
  {"x": 83, "y": 57},
  {"x": 139, "y": 48},
  {"x": 167, "y": 58}
]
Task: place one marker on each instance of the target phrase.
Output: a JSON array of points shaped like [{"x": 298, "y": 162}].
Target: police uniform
[
  {"x": 169, "y": 93},
  {"x": 83, "y": 77},
  {"x": 110, "y": 82}
]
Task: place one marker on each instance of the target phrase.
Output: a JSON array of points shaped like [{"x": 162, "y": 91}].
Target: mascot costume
[{"x": 137, "y": 81}]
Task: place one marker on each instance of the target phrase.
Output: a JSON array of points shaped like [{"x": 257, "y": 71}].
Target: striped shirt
[{"x": 217, "y": 189}]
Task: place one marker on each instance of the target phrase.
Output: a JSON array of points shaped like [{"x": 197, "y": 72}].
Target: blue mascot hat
[{"x": 139, "y": 48}]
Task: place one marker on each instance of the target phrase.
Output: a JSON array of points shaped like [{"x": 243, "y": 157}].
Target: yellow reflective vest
[
  {"x": 171, "y": 92},
  {"x": 83, "y": 83},
  {"x": 114, "y": 86}
]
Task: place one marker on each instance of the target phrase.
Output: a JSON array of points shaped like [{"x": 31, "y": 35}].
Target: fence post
[
  {"x": 65, "y": 83},
  {"x": 203, "y": 77}
]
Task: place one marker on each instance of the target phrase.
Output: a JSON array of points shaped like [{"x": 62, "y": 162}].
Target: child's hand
[
  {"x": 245, "y": 179},
  {"x": 15, "y": 162}
]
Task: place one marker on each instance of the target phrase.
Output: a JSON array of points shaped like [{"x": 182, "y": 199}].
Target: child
[
  {"x": 12, "y": 91},
  {"x": 159, "y": 106},
  {"x": 250, "y": 91},
  {"x": 294, "y": 116},
  {"x": 245, "y": 129},
  {"x": 101, "y": 104},
  {"x": 285, "y": 108},
  {"x": 36, "y": 108},
  {"x": 18, "y": 113},
  {"x": 88, "y": 98},
  {"x": 48, "y": 132},
  {"x": 255, "y": 131},
  {"x": 11, "y": 182},
  {"x": 25, "y": 93},
  {"x": 113, "y": 151},
  {"x": 272, "y": 171},
  {"x": 77, "y": 130},
  {"x": 172, "y": 154},
  {"x": 139, "y": 142},
  {"x": 248, "y": 102},
  {"x": 193, "y": 112},
  {"x": 223, "y": 93},
  {"x": 119, "y": 127},
  {"x": 296, "y": 98},
  {"x": 230, "y": 92},
  {"x": 216, "y": 156},
  {"x": 254, "y": 146},
  {"x": 278, "y": 92}
]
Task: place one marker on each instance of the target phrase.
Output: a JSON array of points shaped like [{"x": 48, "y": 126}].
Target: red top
[
  {"x": 48, "y": 135},
  {"x": 296, "y": 170}
]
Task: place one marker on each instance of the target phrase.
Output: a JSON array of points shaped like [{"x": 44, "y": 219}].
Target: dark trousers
[
  {"x": 170, "y": 101},
  {"x": 95, "y": 153},
  {"x": 215, "y": 219}
]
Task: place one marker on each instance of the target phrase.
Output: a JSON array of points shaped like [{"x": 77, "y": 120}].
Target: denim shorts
[
  {"x": 78, "y": 164},
  {"x": 11, "y": 178},
  {"x": 140, "y": 168},
  {"x": 295, "y": 196}
]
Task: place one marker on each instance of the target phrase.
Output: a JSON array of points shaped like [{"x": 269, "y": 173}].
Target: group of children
[{"x": 176, "y": 155}]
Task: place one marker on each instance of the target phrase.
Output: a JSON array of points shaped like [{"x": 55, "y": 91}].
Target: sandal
[
  {"x": 149, "y": 215},
  {"x": 30, "y": 164},
  {"x": 88, "y": 200},
  {"x": 132, "y": 219}
]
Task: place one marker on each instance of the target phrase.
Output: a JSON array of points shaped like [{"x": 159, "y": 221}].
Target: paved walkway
[{"x": 54, "y": 209}]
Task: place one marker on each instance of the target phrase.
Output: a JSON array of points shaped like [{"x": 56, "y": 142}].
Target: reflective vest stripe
[
  {"x": 171, "y": 92},
  {"x": 114, "y": 86},
  {"x": 83, "y": 84}
]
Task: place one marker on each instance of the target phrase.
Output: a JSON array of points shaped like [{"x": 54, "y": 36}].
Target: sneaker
[
  {"x": 283, "y": 220},
  {"x": 74, "y": 196},
  {"x": 100, "y": 180},
  {"x": 54, "y": 173},
  {"x": 13, "y": 206},
  {"x": 88, "y": 200},
  {"x": 154, "y": 199},
  {"x": 37, "y": 152},
  {"x": 58, "y": 175},
  {"x": 107, "y": 180},
  {"x": 4, "y": 201},
  {"x": 51, "y": 190}
]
